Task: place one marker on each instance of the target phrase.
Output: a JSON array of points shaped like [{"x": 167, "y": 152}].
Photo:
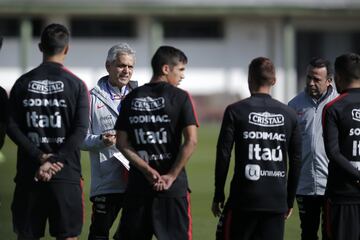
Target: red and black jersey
[
  {"x": 267, "y": 139},
  {"x": 154, "y": 116},
  {"x": 341, "y": 125},
  {"x": 48, "y": 114}
]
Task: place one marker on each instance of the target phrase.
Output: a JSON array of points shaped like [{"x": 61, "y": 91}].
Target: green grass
[{"x": 201, "y": 177}]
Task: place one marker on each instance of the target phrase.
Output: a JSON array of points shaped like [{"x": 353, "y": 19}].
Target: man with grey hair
[{"x": 108, "y": 174}]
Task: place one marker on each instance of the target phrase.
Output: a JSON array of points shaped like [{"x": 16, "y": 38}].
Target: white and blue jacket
[
  {"x": 107, "y": 173},
  {"x": 314, "y": 171}
]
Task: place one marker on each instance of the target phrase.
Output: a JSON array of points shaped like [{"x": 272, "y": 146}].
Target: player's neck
[
  {"x": 354, "y": 84},
  {"x": 55, "y": 58},
  {"x": 157, "y": 79},
  {"x": 262, "y": 89}
]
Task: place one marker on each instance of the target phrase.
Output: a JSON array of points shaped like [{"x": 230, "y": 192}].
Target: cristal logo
[
  {"x": 45, "y": 86},
  {"x": 356, "y": 114},
  {"x": 266, "y": 119},
  {"x": 252, "y": 172},
  {"x": 147, "y": 104}
]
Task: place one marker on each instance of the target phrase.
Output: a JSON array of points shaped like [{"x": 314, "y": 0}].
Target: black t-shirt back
[
  {"x": 267, "y": 141},
  {"x": 49, "y": 109}
]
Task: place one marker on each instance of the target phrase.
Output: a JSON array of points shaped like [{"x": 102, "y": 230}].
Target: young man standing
[
  {"x": 265, "y": 133},
  {"x": 341, "y": 123},
  {"x": 49, "y": 111},
  {"x": 152, "y": 122},
  {"x": 308, "y": 105},
  {"x": 108, "y": 175}
]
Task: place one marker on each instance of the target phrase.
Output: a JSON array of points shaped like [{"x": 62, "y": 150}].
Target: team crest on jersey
[
  {"x": 266, "y": 119},
  {"x": 147, "y": 104},
  {"x": 45, "y": 86},
  {"x": 356, "y": 114}
]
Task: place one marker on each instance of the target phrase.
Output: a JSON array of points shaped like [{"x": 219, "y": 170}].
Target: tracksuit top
[
  {"x": 314, "y": 170},
  {"x": 48, "y": 114},
  {"x": 341, "y": 123},
  {"x": 107, "y": 173},
  {"x": 154, "y": 116},
  {"x": 267, "y": 140}
]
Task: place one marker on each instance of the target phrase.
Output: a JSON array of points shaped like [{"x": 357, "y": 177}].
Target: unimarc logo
[
  {"x": 266, "y": 119},
  {"x": 45, "y": 86}
]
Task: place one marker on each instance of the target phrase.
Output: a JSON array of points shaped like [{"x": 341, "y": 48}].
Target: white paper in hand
[{"x": 122, "y": 159}]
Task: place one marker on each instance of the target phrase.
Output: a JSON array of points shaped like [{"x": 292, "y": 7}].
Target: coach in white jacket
[
  {"x": 108, "y": 175},
  {"x": 309, "y": 105}
]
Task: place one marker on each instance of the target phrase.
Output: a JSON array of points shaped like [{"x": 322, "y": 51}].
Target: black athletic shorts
[
  {"x": 246, "y": 225},
  {"x": 167, "y": 218},
  {"x": 343, "y": 221},
  {"x": 61, "y": 204}
]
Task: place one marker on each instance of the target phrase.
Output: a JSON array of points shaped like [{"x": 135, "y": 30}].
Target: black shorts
[
  {"x": 164, "y": 217},
  {"x": 60, "y": 203},
  {"x": 236, "y": 224},
  {"x": 343, "y": 221},
  {"x": 105, "y": 209}
]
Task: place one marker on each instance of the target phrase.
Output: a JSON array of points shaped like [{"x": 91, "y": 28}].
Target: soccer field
[{"x": 201, "y": 177}]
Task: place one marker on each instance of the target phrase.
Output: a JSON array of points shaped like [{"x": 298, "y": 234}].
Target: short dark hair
[
  {"x": 348, "y": 67},
  {"x": 166, "y": 55},
  {"x": 318, "y": 62},
  {"x": 54, "y": 38},
  {"x": 261, "y": 73}
]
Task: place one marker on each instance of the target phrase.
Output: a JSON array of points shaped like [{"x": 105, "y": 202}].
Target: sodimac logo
[
  {"x": 45, "y": 86},
  {"x": 266, "y": 119}
]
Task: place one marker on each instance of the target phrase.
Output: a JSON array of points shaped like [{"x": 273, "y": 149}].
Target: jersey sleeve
[
  {"x": 294, "y": 152},
  {"x": 122, "y": 123},
  {"x": 223, "y": 154},
  {"x": 14, "y": 126},
  {"x": 331, "y": 142},
  {"x": 188, "y": 112},
  {"x": 80, "y": 125}
]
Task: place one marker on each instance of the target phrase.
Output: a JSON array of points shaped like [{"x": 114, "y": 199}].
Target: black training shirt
[
  {"x": 154, "y": 116},
  {"x": 265, "y": 133},
  {"x": 48, "y": 114},
  {"x": 341, "y": 124}
]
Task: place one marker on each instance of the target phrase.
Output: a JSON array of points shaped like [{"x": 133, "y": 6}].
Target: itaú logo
[
  {"x": 356, "y": 114},
  {"x": 45, "y": 86},
  {"x": 147, "y": 104},
  {"x": 266, "y": 119}
]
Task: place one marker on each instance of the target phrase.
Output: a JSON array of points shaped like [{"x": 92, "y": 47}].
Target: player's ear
[
  {"x": 165, "y": 69},
  {"x": 107, "y": 66},
  {"x": 273, "y": 81},
  {"x": 66, "y": 49}
]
